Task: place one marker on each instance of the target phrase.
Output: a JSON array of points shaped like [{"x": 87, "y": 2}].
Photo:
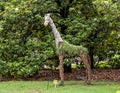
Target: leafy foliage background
[{"x": 26, "y": 45}]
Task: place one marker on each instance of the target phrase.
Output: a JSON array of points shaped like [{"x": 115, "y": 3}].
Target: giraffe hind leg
[{"x": 88, "y": 68}]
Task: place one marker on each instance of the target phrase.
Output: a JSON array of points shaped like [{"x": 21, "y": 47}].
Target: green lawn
[{"x": 69, "y": 87}]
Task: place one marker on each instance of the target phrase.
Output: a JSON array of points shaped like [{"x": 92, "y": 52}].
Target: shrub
[
  {"x": 115, "y": 61},
  {"x": 19, "y": 69}
]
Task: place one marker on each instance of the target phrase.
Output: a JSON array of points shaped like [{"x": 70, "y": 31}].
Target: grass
[{"x": 69, "y": 87}]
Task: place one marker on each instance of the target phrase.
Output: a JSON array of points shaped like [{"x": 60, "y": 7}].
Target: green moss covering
[{"x": 67, "y": 49}]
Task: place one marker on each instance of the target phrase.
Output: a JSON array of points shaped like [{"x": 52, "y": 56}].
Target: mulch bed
[
  {"x": 97, "y": 74},
  {"x": 76, "y": 74}
]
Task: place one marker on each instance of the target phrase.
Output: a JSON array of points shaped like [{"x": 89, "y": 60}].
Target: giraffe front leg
[{"x": 61, "y": 70}]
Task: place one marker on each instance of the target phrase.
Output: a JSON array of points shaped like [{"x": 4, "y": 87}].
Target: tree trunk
[
  {"x": 91, "y": 53},
  {"x": 67, "y": 68}
]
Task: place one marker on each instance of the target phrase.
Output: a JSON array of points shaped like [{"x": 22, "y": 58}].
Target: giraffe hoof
[{"x": 87, "y": 83}]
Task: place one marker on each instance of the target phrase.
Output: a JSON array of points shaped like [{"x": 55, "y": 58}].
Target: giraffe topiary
[{"x": 64, "y": 49}]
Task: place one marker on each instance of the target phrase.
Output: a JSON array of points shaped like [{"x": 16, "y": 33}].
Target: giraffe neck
[{"x": 58, "y": 39}]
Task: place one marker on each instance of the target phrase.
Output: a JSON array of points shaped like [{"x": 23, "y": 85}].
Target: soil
[{"x": 77, "y": 74}]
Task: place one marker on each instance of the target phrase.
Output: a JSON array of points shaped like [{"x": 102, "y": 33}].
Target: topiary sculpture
[{"x": 64, "y": 49}]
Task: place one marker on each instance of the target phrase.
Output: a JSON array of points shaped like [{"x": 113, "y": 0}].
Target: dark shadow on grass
[{"x": 73, "y": 83}]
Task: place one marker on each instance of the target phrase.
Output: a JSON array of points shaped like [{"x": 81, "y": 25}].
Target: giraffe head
[{"x": 47, "y": 19}]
